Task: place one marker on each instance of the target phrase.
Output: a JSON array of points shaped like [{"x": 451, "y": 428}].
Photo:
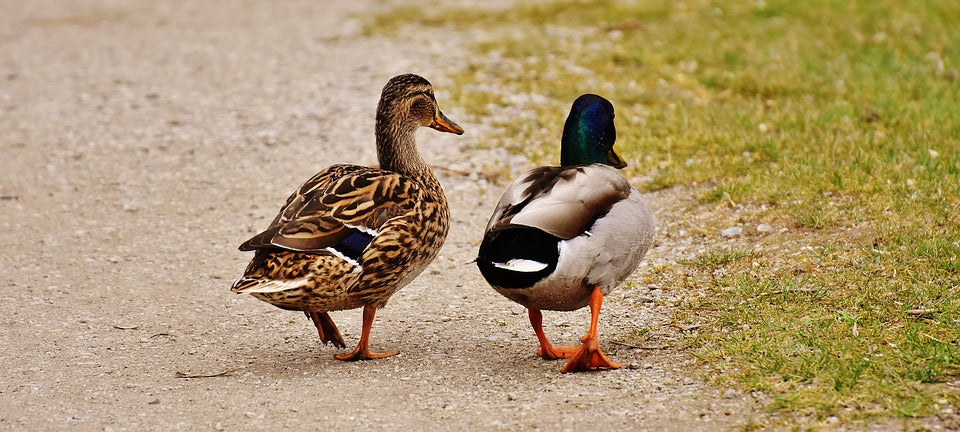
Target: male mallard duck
[
  {"x": 351, "y": 235},
  {"x": 562, "y": 237}
]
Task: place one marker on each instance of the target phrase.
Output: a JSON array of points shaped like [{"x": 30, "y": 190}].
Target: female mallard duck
[
  {"x": 352, "y": 235},
  {"x": 564, "y": 236}
]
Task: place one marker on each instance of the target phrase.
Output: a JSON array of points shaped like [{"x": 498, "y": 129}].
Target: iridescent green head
[{"x": 589, "y": 134}]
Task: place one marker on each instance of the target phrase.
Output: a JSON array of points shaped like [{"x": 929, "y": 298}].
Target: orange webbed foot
[
  {"x": 365, "y": 354},
  {"x": 589, "y": 356},
  {"x": 362, "y": 351},
  {"x": 547, "y": 351},
  {"x": 550, "y": 352}
]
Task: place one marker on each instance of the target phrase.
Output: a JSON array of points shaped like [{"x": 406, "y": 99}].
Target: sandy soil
[{"x": 143, "y": 141}]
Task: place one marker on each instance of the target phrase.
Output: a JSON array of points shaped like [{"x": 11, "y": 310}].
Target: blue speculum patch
[{"x": 354, "y": 244}]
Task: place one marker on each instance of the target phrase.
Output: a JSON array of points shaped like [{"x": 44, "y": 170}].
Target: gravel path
[{"x": 143, "y": 141}]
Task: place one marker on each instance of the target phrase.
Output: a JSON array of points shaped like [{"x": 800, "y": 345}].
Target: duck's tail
[{"x": 246, "y": 285}]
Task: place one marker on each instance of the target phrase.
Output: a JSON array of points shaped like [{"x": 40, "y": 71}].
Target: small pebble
[
  {"x": 732, "y": 231},
  {"x": 764, "y": 228}
]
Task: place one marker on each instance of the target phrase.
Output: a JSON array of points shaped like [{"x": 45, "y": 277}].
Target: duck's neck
[{"x": 397, "y": 148}]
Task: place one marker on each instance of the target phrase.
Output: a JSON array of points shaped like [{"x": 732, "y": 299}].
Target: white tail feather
[
  {"x": 272, "y": 285},
  {"x": 521, "y": 265}
]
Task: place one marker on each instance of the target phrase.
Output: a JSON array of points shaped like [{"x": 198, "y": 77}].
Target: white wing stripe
[
  {"x": 368, "y": 231},
  {"x": 356, "y": 266}
]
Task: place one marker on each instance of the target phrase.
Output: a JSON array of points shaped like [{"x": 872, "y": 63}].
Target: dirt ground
[{"x": 143, "y": 141}]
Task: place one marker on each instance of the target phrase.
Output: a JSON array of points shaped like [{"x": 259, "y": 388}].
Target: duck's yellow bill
[
  {"x": 443, "y": 124},
  {"x": 615, "y": 159}
]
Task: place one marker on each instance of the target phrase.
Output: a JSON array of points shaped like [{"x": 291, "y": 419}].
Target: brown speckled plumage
[{"x": 394, "y": 219}]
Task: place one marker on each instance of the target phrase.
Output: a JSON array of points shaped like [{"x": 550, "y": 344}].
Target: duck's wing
[
  {"x": 562, "y": 201},
  {"x": 338, "y": 211}
]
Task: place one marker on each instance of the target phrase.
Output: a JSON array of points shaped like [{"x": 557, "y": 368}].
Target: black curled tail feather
[{"x": 517, "y": 242}]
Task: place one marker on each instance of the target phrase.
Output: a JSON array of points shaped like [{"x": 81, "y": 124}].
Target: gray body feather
[{"x": 604, "y": 226}]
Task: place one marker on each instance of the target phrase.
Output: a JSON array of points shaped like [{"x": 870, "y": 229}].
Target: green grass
[{"x": 836, "y": 119}]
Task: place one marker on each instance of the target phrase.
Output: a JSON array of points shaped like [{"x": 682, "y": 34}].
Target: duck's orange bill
[{"x": 443, "y": 124}]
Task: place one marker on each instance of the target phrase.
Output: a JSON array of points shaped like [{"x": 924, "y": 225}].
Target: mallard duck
[
  {"x": 562, "y": 237},
  {"x": 352, "y": 235}
]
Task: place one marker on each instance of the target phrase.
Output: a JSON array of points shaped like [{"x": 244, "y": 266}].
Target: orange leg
[
  {"x": 362, "y": 352},
  {"x": 547, "y": 350},
  {"x": 326, "y": 328},
  {"x": 589, "y": 355}
]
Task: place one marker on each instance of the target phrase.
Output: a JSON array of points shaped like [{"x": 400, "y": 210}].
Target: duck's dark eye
[{"x": 422, "y": 108}]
